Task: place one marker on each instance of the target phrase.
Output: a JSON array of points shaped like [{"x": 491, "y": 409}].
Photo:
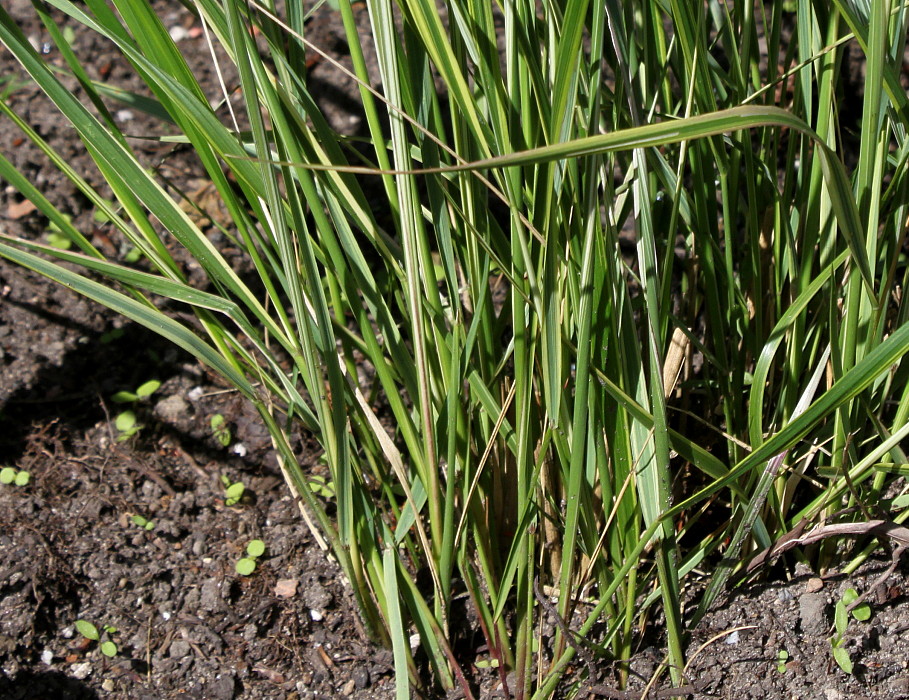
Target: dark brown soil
[{"x": 187, "y": 625}]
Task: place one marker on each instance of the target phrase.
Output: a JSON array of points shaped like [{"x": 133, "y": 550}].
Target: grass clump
[{"x": 625, "y": 312}]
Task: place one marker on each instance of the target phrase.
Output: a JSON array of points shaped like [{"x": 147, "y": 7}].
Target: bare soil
[{"x": 187, "y": 625}]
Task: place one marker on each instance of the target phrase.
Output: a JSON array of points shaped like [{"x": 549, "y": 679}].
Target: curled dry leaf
[{"x": 17, "y": 210}]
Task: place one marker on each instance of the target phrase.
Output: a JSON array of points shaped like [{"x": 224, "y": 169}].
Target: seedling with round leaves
[
  {"x": 56, "y": 236},
  {"x": 142, "y": 522},
  {"x": 782, "y": 657},
  {"x": 220, "y": 430},
  {"x": 16, "y": 477},
  {"x": 89, "y": 631},
  {"x": 126, "y": 422},
  {"x": 233, "y": 491},
  {"x": 861, "y": 612},
  {"x": 321, "y": 486},
  {"x": 142, "y": 392},
  {"x": 247, "y": 565},
  {"x": 127, "y": 425}
]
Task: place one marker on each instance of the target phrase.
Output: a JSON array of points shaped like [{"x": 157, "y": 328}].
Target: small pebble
[
  {"x": 177, "y": 33},
  {"x": 81, "y": 671},
  {"x": 349, "y": 688},
  {"x": 286, "y": 587},
  {"x": 360, "y": 677},
  {"x": 814, "y": 585},
  {"x": 47, "y": 657},
  {"x": 316, "y": 615},
  {"x": 179, "y": 648},
  {"x": 108, "y": 685},
  {"x": 222, "y": 688}
]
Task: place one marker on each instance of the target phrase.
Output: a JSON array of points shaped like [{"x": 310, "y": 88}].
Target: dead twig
[{"x": 881, "y": 529}]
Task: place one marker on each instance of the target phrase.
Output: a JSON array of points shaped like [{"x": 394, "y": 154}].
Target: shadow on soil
[{"x": 27, "y": 685}]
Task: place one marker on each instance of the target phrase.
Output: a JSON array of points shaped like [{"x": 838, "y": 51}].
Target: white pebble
[{"x": 81, "y": 671}]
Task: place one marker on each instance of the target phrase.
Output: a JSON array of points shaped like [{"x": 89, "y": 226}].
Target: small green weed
[
  {"x": 127, "y": 425},
  {"x": 143, "y": 392},
  {"x": 233, "y": 491},
  {"x": 126, "y": 422},
  {"x": 56, "y": 237},
  {"x": 254, "y": 550},
  {"x": 220, "y": 430},
  {"x": 89, "y": 631},
  {"x": 322, "y": 487},
  {"x": 782, "y": 656},
  {"x": 112, "y": 335},
  {"x": 142, "y": 522},
  {"x": 862, "y": 613},
  {"x": 9, "y": 475}
]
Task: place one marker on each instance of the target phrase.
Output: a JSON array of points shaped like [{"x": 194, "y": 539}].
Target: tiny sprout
[
  {"x": 246, "y": 566},
  {"x": 254, "y": 550},
  {"x": 87, "y": 630},
  {"x": 9, "y": 475},
  {"x": 841, "y": 622},
  {"x": 220, "y": 430},
  {"x": 58, "y": 240},
  {"x": 125, "y": 420},
  {"x": 233, "y": 491},
  {"x": 861, "y": 612},
  {"x": 126, "y": 423},
  {"x": 143, "y": 523},
  {"x": 322, "y": 486},
  {"x": 144, "y": 391},
  {"x": 782, "y": 657},
  {"x": 148, "y": 388},
  {"x": 100, "y": 217}
]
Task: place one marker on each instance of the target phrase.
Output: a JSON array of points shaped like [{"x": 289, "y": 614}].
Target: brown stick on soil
[{"x": 882, "y": 529}]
